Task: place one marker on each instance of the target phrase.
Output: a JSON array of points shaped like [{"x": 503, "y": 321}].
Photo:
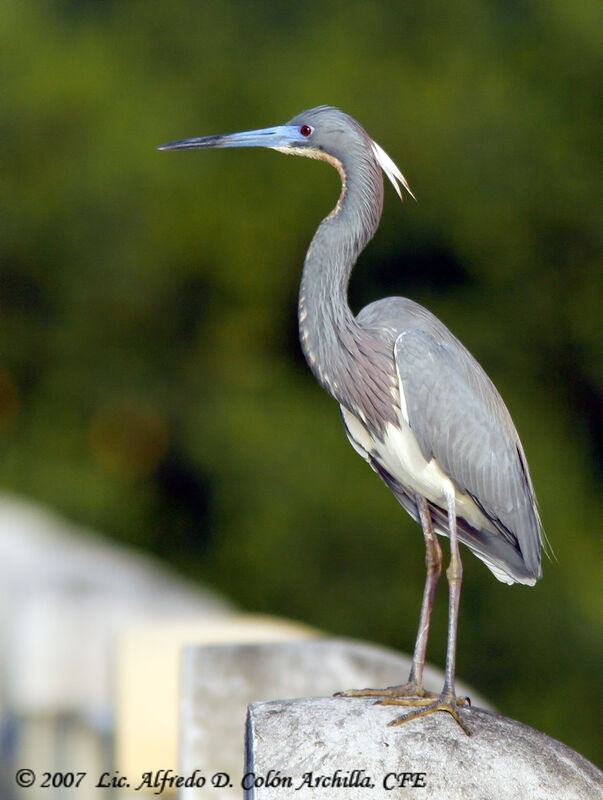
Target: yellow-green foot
[
  {"x": 412, "y": 689},
  {"x": 445, "y": 702}
]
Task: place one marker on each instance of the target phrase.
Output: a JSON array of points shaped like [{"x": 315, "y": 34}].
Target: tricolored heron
[{"x": 414, "y": 402}]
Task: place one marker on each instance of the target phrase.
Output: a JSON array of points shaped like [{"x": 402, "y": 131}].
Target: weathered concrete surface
[
  {"x": 326, "y": 739},
  {"x": 218, "y": 683}
]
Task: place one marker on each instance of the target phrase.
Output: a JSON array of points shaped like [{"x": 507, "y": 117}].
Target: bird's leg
[
  {"x": 433, "y": 561},
  {"x": 447, "y": 701}
]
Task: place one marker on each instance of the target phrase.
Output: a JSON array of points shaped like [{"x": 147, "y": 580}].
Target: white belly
[{"x": 399, "y": 453}]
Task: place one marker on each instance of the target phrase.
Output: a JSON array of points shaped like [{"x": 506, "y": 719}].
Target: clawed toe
[
  {"x": 407, "y": 700},
  {"x": 410, "y": 690},
  {"x": 445, "y": 702}
]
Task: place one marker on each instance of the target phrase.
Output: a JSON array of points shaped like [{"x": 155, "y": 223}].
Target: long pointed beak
[{"x": 280, "y": 136}]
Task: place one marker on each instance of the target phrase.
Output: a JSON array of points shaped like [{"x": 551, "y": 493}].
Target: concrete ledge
[
  {"x": 309, "y": 748},
  {"x": 218, "y": 683}
]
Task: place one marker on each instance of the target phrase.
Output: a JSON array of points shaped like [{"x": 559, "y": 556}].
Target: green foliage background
[{"x": 151, "y": 384}]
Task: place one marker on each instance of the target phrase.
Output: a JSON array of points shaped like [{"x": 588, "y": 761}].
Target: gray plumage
[{"x": 415, "y": 403}]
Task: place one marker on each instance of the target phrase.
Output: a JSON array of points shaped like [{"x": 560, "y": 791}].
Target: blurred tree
[{"x": 151, "y": 383}]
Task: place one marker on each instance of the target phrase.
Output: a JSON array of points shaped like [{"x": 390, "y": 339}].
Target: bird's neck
[{"x": 329, "y": 333}]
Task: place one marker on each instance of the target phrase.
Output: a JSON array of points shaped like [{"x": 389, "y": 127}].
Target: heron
[{"x": 415, "y": 404}]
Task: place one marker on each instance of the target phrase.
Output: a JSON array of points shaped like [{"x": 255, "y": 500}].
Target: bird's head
[{"x": 323, "y": 132}]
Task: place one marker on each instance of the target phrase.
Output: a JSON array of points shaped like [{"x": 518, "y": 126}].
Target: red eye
[{"x": 305, "y": 130}]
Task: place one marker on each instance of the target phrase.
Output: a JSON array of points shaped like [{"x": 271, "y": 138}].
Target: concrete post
[{"x": 342, "y": 749}]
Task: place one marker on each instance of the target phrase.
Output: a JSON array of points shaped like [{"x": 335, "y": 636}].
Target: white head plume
[{"x": 391, "y": 170}]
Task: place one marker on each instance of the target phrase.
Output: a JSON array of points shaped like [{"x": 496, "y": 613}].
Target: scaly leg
[
  {"x": 447, "y": 701},
  {"x": 433, "y": 560}
]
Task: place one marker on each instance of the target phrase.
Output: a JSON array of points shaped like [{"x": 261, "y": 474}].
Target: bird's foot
[
  {"x": 447, "y": 701},
  {"x": 410, "y": 690}
]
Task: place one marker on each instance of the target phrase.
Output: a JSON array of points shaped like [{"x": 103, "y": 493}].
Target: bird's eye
[{"x": 305, "y": 130}]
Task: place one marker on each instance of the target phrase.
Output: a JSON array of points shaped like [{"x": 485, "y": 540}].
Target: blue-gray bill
[{"x": 279, "y": 136}]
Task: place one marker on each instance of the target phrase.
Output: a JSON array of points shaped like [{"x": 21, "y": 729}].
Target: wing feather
[{"x": 459, "y": 419}]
